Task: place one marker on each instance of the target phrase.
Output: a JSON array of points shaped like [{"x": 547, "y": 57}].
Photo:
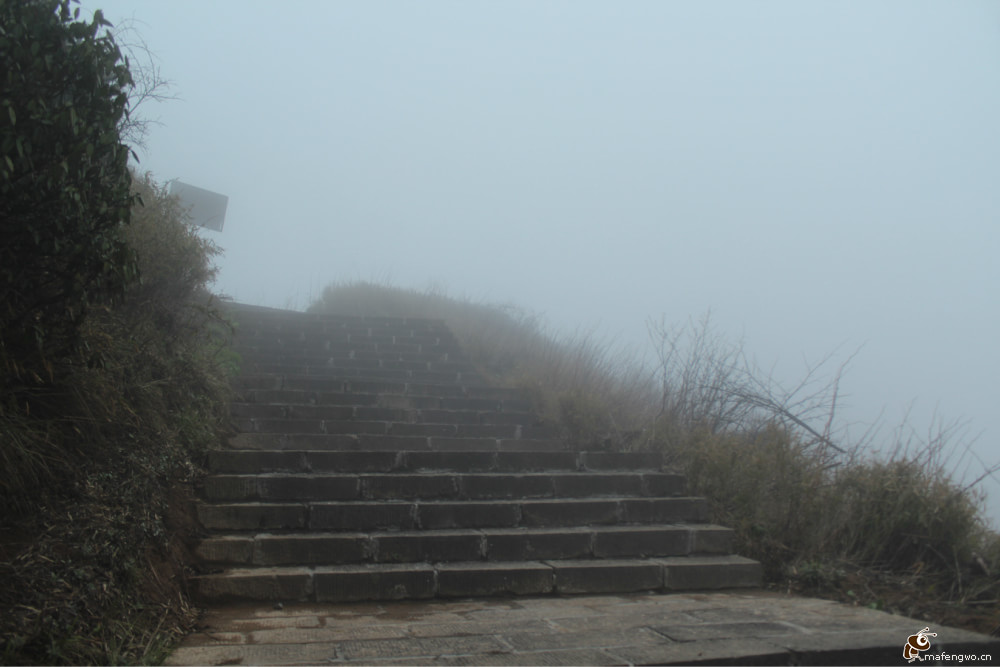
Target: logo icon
[{"x": 917, "y": 643}]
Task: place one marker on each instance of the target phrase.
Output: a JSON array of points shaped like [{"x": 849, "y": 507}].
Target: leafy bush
[
  {"x": 93, "y": 539},
  {"x": 64, "y": 185},
  {"x": 111, "y": 358}
]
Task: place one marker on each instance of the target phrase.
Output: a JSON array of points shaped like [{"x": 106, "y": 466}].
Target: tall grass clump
[
  {"x": 806, "y": 495},
  {"x": 99, "y": 457},
  {"x": 818, "y": 503}
]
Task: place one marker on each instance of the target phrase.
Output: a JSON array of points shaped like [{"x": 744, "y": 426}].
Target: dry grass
[
  {"x": 99, "y": 459},
  {"x": 596, "y": 392},
  {"x": 825, "y": 512}
]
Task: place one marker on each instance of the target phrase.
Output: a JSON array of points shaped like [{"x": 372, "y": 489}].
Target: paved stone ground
[{"x": 636, "y": 629}]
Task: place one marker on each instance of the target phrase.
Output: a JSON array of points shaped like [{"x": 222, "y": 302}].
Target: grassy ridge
[
  {"x": 885, "y": 524},
  {"x": 98, "y": 461}
]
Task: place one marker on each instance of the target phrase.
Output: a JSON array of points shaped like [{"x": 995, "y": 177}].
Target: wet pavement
[{"x": 737, "y": 627}]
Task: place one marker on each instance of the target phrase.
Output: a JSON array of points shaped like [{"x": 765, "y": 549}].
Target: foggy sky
[{"x": 821, "y": 175}]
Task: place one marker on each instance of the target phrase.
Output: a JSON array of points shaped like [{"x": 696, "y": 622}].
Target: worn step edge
[
  {"x": 431, "y": 515},
  {"x": 250, "y": 461},
  {"x": 440, "y": 485},
  {"x": 370, "y": 395},
  {"x": 380, "y": 442},
  {"x": 496, "y": 544},
  {"x": 383, "y": 409},
  {"x": 352, "y": 583},
  {"x": 346, "y": 425},
  {"x": 474, "y": 396},
  {"x": 443, "y": 385}
]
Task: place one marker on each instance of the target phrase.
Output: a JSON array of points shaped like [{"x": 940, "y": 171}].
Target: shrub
[
  {"x": 902, "y": 514},
  {"x": 92, "y": 540},
  {"x": 112, "y": 383},
  {"x": 64, "y": 185},
  {"x": 762, "y": 483}
]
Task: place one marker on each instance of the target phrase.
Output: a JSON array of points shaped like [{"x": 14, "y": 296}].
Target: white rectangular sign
[{"x": 206, "y": 208}]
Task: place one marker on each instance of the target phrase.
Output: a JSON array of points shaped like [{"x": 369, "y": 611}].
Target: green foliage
[
  {"x": 64, "y": 184},
  {"x": 112, "y": 358},
  {"x": 92, "y": 534}
]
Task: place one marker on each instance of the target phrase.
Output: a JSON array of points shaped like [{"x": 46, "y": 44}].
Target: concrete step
[
  {"x": 344, "y": 333},
  {"x": 394, "y": 428},
  {"x": 334, "y": 365},
  {"x": 357, "y": 392},
  {"x": 362, "y": 399},
  {"x": 350, "y": 583},
  {"x": 375, "y": 463},
  {"x": 419, "y": 383},
  {"x": 379, "y": 442},
  {"x": 253, "y": 328},
  {"x": 334, "y": 348},
  {"x": 493, "y": 544},
  {"x": 371, "y": 412},
  {"x": 273, "y": 389},
  {"x": 466, "y": 375},
  {"x": 250, "y": 316},
  {"x": 249, "y": 461},
  {"x": 445, "y": 514},
  {"x": 439, "y": 485},
  {"x": 249, "y": 356},
  {"x": 326, "y": 325},
  {"x": 344, "y": 339}
]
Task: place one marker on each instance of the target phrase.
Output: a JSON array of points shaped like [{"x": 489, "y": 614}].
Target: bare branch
[{"x": 148, "y": 82}]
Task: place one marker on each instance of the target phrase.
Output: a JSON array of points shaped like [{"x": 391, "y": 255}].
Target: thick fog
[{"x": 823, "y": 176}]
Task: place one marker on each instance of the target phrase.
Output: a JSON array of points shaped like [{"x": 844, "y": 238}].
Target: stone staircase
[{"x": 374, "y": 463}]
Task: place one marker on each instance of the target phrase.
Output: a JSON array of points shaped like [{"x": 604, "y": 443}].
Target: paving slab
[{"x": 725, "y": 627}]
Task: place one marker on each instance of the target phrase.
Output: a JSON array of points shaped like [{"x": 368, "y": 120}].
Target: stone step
[
  {"x": 261, "y": 461},
  {"x": 332, "y": 325},
  {"x": 334, "y": 365},
  {"x": 466, "y": 375},
  {"x": 441, "y": 485},
  {"x": 443, "y": 514},
  {"x": 427, "y": 383},
  {"x": 376, "y": 463},
  {"x": 379, "y": 442},
  {"x": 250, "y": 316},
  {"x": 351, "y": 583},
  {"x": 394, "y": 428},
  {"x": 302, "y": 388},
  {"x": 373, "y": 412},
  {"x": 304, "y": 329},
  {"x": 406, "y": 396},
  {"x": 345, "y": 332},
  {"x": 251, "y": 355},
  {"x": 313, "y": 325},
  {"x": 264, "y": 336},
  {"x": 494, "y": 544},
  {"x": 337, "y": 348}
]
